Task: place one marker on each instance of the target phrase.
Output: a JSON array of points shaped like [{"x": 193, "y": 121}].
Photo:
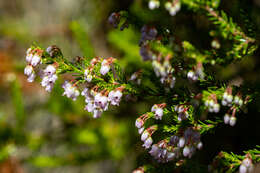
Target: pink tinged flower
[
  {"x": 101, "y": 101},
  {"x": 145, "y": 135},
  {"x": 48, "y": 82},
  {"x": 232, "y": 121},
  {"x": 28, "y": 70},
  {"x": 242, "y": 168},
  {"x": 70, "y": 91},
  {"x": 105, "y": 66},
  {"x": 226, "y": 119},
  {"x": 159, "y": 113},
  {"x": 49, "y": 70},
  {"x": 199, "y": 145},
  {"x": 104, "y": 69},
  {"x": 89, "y": 107},
  {"x": 186, "y": 151},
  {"x": 31, "y": 77},
  {"x": 190, "y": 74},
  {"x": 216, "y": 108},
  {"x": 36, "y": 59},
  {"x": 139, "y": 123},
  {"x": 28, "y": 58},
  {"x": 148, "y": 142},
  {"x": 140, "y": 130},
  {"x": 247, "y": 162},
  {"x": 181, "y": 142},
  {"x": 97, "y": 113},
  {"x": 115, "y": 97},
  {"x": 45, "y": 81},
  {"x": 224, "y": 103}
]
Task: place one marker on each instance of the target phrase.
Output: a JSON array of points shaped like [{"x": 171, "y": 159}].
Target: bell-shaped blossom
[{"x": 70, "y": 91}]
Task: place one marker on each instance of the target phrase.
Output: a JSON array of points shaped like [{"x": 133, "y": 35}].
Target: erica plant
[{"x": 191, "y": 99}]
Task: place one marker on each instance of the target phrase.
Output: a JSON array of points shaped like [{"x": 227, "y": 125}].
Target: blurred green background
[{"x": 42, "y": 132}]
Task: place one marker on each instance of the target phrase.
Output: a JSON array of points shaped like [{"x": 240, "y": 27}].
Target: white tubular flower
[
  {"x": 36, "y": 59},
  {"x": 148, "y": 142},
  {"x": 153, "y": 4},
  {"x": 226, "y": 119},
  {"x": 216, "y": 108},
  {"x": 140, "y": 130},
  {"x": 200, "y": 145},
  {"x": 48, "y": 82},
  {"x": 232, "y": 121},
  {"x": 50, "y": 70},
  {"x": 139, "y": 123},
  {"x": 145, "y": 135},
  {"x": 28, "y": 70},
  {"x": 29, "y": 55},
  {"x": 29, "y": 58},
  {"x": 190, "y": 74},
  {"x": 101, "y": 101},
  {"x": 115, "y": 97},
  {"x": 242, "y": 169},
  {"x": 105, "y": 67},
  {"x": 181, "y": 142},
  {"x": 159, "y": 113},
  {"x": 247, "y": 162},
  {"x": 186, "y": 151},
  {"x": 31, "y": 77}
]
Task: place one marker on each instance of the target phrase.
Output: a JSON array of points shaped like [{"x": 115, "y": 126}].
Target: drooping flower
[{"x": 70, "y": 91}]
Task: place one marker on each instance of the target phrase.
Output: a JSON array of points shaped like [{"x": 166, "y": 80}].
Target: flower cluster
[
  {"x": 246, "y": 165},
  {"x": 182, "y": 112},
  {"x": 173, "y": 7},
  {"x": 231, "y": 120},
  {"x": 49, "y": 77},
  {"x": 70, "y": 90},
  {"x": 227, "y": 97},
  {"x": 98, "y": 102},
  {"x": 146, "y": 136},
  {"x": 212, "y": 104},
  {"x": 177, "y": 146},
  {"x": 163, "y": 69},
  {"x": 33, "y": 58},
  {"x": 153, "y": 4},
  {"x": 157, "y": 109}
]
